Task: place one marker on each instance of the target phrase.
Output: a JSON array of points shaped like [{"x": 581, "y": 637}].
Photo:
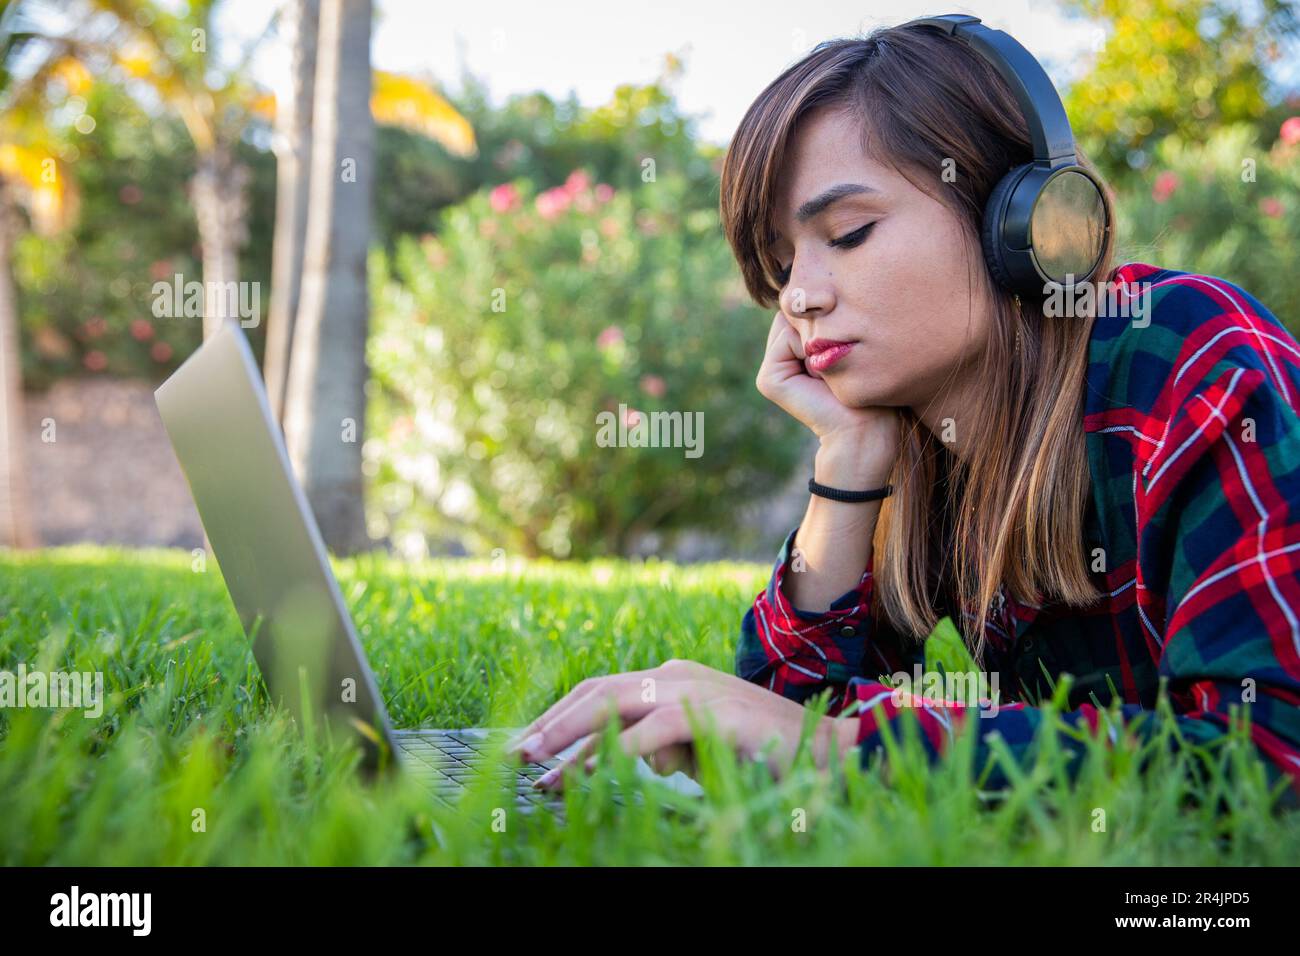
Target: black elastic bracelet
[{"x": 837, "y": 494}]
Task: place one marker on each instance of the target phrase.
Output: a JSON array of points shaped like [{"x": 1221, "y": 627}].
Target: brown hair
[{"x": 1018, "y": 504}]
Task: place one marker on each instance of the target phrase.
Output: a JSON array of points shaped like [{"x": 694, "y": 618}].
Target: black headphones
[{"x": 1046, "y": 221}]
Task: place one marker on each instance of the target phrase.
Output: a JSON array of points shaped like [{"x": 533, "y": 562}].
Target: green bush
[
  {"x": 1228, "y": 207},
  {"x": 496, "y": 345}
]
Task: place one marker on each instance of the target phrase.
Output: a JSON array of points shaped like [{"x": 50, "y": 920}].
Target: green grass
[{"x": 187, "y": 729}]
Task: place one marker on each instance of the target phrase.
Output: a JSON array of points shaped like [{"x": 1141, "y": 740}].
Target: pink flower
[
  {"x": 1271, "y": 207},
  {"x": 604, "y": 192},
  {"x": 160, "y": 269},
  {"x": 95, "y": 360},
  {"x": 552, "y": 202},
  {"x": 609, "y": 337},
  {"x": 577, "y": 182},
  {"x": 1164, "y": 186},
  {"x": 130, "y": 194},
  {"x": 94, "y": 327},
  {"x": 141, "y": 330},
  {"x": 504, "y": 198},
  {"x": 1290, "y": 131},
  {"x": 653, "y": 385},
  {"x": 160, "y": 352},
  {"x": 610, "y": 228}
]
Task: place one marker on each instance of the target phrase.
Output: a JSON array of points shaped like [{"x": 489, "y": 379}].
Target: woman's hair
[{"x": 926, "y": 103}]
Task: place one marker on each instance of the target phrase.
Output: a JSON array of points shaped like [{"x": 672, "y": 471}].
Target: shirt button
[{"x": 848, "y": 630}]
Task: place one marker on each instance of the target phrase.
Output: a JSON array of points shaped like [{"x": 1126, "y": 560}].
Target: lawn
[{"x": 189, "y": 763}]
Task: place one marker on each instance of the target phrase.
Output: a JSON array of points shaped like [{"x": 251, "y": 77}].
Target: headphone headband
[
  {"x": 1049, "y": 126},
  {"x": 1046, "y": 222}
]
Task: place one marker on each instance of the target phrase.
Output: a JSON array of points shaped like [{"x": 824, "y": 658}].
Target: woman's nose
[{"x": 806, "y": 300}]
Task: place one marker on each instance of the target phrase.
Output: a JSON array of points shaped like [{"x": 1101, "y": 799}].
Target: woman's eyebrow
[
  {"x": 833, "y": 195},
  {"x": 819, "y": 204}
]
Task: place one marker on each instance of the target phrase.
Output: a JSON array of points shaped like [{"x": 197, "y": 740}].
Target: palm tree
[
  {"x": 34, "y": 182},
  {"x": 171, "y": 54},
  {"x": 15, "y": 525},
  {"x": 325, "y": 401},
  {"x": 395, "y": 100},
  {"x": 293, "y": 123},
  {"x": 319, "y": 259}
]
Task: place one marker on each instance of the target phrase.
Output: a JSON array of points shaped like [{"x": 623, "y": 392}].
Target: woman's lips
[{"x": 828, "y": 357}]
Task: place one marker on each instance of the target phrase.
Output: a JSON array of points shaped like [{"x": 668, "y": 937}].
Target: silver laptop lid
[{"x": 267, "y": 542}]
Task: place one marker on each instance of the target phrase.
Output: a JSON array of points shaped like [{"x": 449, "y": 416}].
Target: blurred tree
[
  {"x": 32, "y": 178},
  {"x": 171, "y": 54},
  {"x": 324, "y": 409},
  {"x": 411, "y": 107},
  {"x": 1184, "y": 67},
  {"x": 292, "y": 164},
  {"x": 87, "y": 292}
]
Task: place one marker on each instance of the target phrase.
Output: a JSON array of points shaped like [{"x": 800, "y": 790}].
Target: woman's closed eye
[{"x": 849, "y": 240}]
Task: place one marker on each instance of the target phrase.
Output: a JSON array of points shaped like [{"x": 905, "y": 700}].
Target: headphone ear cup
[{"x": 991, "y": 228}]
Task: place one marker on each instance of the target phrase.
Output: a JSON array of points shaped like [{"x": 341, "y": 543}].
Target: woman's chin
[{"x": 851, "y": 397}]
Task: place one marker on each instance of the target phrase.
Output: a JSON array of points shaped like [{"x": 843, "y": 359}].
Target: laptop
[{"x": 273, "y": 559}]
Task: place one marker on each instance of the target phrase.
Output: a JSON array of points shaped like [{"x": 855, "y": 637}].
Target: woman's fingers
[
  {"x": 783, "y": 342},
  {"x": 779, "y": 325},
  {"x": 674, "y": 757},
  {"x": 526, "y": 738},
  {"x": 551, "y": 778},
  {"x": 628, "y": 696},
  {"x": 665, "y": 727}
]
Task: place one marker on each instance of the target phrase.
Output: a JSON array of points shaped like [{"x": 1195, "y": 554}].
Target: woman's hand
[
  {"x": 652, "y": 708},
  {"x": 785, "y": 380}
]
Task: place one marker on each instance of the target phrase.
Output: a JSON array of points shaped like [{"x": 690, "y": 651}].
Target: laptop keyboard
[{"x": 447, "y": 761}]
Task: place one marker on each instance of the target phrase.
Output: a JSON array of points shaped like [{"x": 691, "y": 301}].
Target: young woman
[{"x": 1114, "y": 495}]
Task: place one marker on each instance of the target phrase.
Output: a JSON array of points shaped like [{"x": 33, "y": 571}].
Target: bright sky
[{"x": 731, "y": 50}]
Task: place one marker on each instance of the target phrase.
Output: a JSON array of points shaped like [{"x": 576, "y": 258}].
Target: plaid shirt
[{"x": 1193, "y": 442}]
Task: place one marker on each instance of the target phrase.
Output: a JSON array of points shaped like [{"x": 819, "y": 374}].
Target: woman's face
[{"x": 900, "y": 291}]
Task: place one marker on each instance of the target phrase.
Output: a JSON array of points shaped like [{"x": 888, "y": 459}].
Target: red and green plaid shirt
[{"x": 1192, "y": 417}]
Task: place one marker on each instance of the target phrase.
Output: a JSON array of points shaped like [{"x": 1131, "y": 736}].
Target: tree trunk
[
  {"x": 293, "y": 158},
  {"x": 15, "y": 512},
  {"x": 325, "y": 404},
  {"x": 219, "y": 191}
]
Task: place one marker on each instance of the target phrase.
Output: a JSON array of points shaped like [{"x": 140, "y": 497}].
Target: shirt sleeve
[
  {"x": 1218, "y": 524},
  {"x": 797, "y": 653}
]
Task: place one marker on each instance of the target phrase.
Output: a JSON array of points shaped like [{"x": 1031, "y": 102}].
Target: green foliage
[
  {"x": 1174, "y": 67},
  {"x": 1201, "y": 212},
  {"x": 497, "y": 345},
  {"x": 536, "y": 137},
  {"x": 85, "y": 295},
  {"x": 187, "y": 726}
]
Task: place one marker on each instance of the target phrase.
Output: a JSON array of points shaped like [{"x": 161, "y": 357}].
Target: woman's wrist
[{"x": 850, "y": 464}]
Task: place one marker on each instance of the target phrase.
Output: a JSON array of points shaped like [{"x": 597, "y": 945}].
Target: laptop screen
[{"x": 267, "y": 544}]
